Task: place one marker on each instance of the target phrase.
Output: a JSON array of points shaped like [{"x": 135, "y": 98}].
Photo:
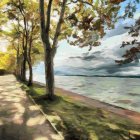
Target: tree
[
  {"x": 33, "y": 36},
  {"x": 131, "y": 54},
  {"x": 17, "y": 14},
  {"x": 3, "y": 18},
  {"x": 25, "y": 20},
  {"x": 8, "y": 60},
  {"x": 48, "y": 49},
  {"x": 79, "y": 30}
]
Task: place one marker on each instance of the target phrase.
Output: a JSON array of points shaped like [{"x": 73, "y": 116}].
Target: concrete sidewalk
[{"x": 19, "y": 117}]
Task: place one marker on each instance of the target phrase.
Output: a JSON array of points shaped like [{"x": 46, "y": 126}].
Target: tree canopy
[{"x": 82, "y": 23}]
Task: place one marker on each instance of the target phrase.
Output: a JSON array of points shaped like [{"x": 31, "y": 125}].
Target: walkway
[{"x": 19, "y": 118}]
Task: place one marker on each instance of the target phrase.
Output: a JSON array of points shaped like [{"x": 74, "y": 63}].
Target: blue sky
[{"x": 124, "y": 4}]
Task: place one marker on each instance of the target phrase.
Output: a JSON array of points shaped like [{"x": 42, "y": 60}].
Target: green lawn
[{"x": 80, "y": 122}]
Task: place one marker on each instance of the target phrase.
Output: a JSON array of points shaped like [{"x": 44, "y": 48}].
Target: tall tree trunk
[
  {"x": 25, "y": 36},
  {"x": 23, "y": 59},
  {"x": 48, "y": 49},
  {"x": 17, "y": 64},
  {"x": 18, "y": 53},
  {"x": 24, "y": 66},
  {"x": 25, "y": 47},
  {"x": 49, "y": 72},
  {"x": 29, "y": 60},
  {"x": 21, "y": 66},
  {"x": 30, "y": 81}
]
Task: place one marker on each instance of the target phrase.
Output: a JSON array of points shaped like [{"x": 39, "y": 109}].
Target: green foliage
[
  {"x": 18, "y": 12},
  {"x": 85, "y": 20},
  {"x": 7, "y": 61}
]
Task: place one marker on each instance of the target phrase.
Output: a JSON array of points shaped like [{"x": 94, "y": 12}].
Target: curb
[{"x": 45, "y": 115}]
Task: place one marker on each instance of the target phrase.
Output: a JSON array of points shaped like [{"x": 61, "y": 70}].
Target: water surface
[{"x": 123, "y": 92}]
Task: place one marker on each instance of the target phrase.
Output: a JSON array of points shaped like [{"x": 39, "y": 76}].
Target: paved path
[{"x": 19, "y": 118}]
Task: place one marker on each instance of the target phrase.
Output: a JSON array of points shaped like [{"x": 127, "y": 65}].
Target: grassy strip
[{"x": 80, "y": 122}]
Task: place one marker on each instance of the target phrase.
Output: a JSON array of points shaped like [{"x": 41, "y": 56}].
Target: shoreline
[
  {"x": 133, "y": 115},
  {"x": 110, "y": 76}
]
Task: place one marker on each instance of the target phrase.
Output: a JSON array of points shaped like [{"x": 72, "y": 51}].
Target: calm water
[{"x": 123, "y": 92}]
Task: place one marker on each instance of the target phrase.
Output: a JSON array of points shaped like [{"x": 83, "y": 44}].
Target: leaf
[
  {"x": 97, "y": 3},
  {"x": 137, "y": 1},
  {"x": 3, "y": 2}
]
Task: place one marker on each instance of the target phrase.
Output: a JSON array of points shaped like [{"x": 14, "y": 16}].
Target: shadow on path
[{"x": 19, "y": 118}]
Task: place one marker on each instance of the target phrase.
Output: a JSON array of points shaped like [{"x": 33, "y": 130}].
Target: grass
[{"x": 80, "y": 122}]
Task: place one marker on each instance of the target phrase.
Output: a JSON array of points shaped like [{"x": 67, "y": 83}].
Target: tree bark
[
  {"x": 29, "y": 60},
  {"x": 24, "y": 66},
  {"x": 23, "y": 61},
  {"x": 17, "y": 63},
  {"x": 48, "y": 53},
  {"x": 49, "y": 73},
  {"x": 30, "y": 81},
  {"x": 25, "y": 42},
  {"x": 49, "y": 50},
  {"x": 18, "y": 55}
]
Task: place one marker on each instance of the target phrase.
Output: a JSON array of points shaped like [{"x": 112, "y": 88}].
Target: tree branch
[
  {"x": 48, "y": 19},
  {"x": 42, "y": 19},
  {"x": 58, "y": 28}
]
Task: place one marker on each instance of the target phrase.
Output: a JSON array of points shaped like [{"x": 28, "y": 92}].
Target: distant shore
[
  {"x": 92, "y": 103},
  {"x": 119, "y": 76}
]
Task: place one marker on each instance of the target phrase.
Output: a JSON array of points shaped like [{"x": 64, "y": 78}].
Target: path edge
[{"x": 45, "y": 115}]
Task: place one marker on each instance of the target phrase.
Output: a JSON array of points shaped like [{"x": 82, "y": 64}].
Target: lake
[{"x": 122, "y": 92}]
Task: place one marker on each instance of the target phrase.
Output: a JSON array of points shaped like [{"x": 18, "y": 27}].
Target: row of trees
[
  {"x": 80, "y": 22},
  {"x": 23, "y": 34}
]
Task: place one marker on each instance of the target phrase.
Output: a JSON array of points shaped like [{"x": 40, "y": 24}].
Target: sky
[
  {"x": 119, "y": 29},
  {"x": 101, "y": 60}
]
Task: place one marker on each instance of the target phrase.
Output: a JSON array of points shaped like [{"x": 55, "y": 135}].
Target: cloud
[{"x": 101, "y": 60}]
